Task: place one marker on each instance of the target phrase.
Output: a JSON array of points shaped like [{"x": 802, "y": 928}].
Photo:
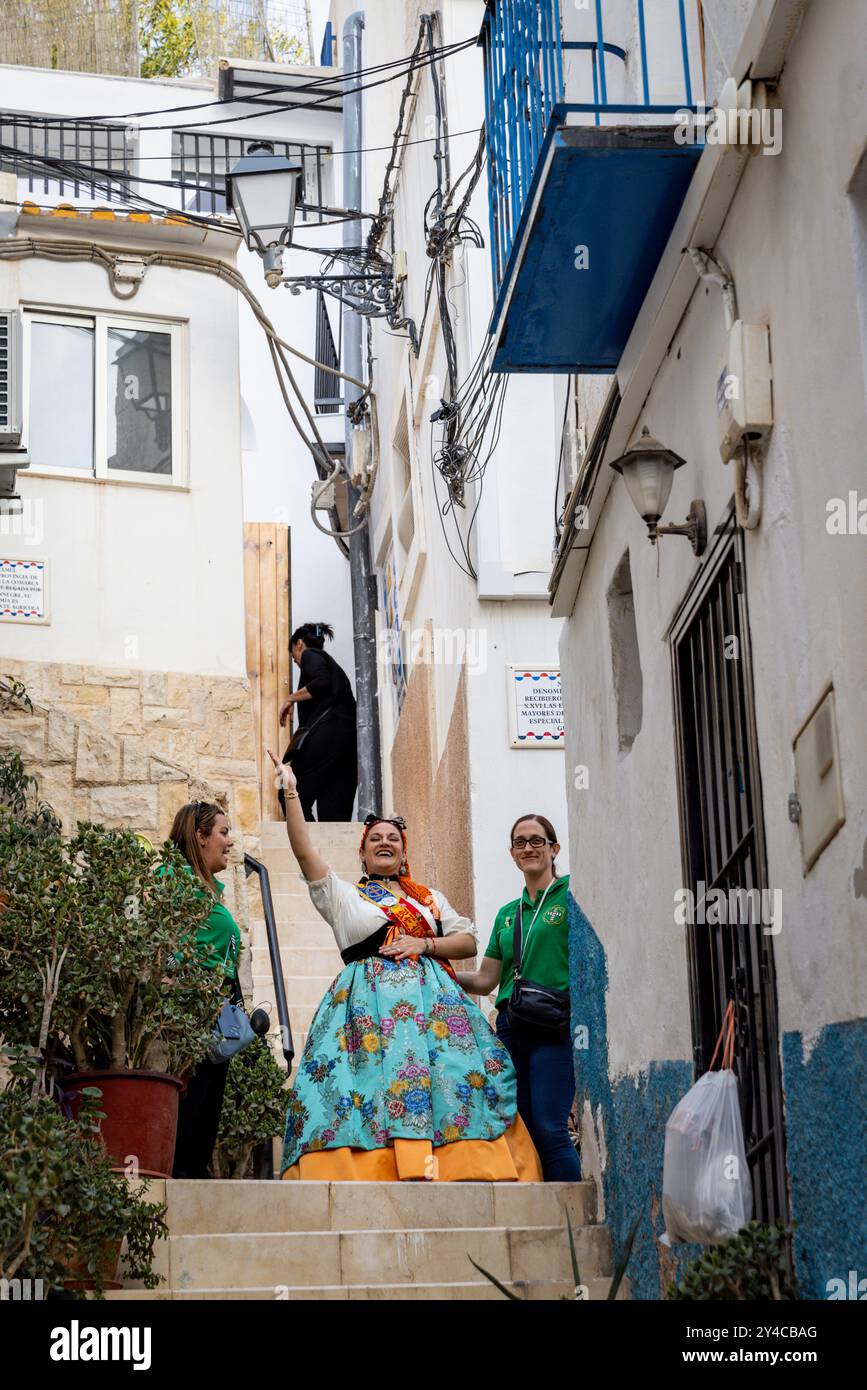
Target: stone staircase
[
  {"x": 292, "y": 1240},
  {"x": 315, "y": 1240},
  {"x": 308, "y": 951}
]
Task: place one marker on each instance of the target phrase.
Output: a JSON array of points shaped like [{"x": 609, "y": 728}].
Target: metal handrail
[{"x": 255, "y": 866}]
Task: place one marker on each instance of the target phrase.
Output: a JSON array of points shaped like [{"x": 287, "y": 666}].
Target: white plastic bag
[{"x": 706, "y": 1189}]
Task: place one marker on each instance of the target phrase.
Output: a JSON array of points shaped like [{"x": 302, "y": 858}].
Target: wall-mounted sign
[
  {"x": 23, "y": 591},
  {"x": 535, "y": 707}
]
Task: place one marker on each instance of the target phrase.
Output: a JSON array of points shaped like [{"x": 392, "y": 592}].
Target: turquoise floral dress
[{"x": 396, "y": 1050}]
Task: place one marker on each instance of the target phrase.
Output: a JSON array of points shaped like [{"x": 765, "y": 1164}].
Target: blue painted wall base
[{"x": 825, "y": 1101}]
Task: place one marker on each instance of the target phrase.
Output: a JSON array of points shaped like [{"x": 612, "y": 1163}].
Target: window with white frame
[{"x": 104, "y": 396}]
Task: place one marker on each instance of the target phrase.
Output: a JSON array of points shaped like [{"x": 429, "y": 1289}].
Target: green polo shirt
[
  {"x": 546, "y": 946},
  {"x": 218, "y": 939}
]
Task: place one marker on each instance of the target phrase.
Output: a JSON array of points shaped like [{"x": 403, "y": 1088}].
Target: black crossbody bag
[{"x": 533, "y": 1005}]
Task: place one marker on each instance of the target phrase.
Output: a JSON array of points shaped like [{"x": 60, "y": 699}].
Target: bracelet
[{"x": 431, "y": 944}]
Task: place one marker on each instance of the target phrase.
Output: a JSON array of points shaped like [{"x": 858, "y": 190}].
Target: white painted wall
[
  {"x": 159, "y": 567},
  {"x": 792, "y": 244},
  {"x": 277, "y": 468},
  {"x": 515, "y": 524}
]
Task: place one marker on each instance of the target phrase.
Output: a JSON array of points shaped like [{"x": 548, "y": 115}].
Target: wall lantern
[
  {"x": 648, "y": 472},
  {"x": 262, "y": 190}
]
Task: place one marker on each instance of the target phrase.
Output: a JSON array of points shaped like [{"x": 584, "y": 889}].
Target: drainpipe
[{"x": 362, "y": 578}]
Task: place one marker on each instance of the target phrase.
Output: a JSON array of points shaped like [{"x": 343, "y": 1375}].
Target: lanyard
[{"x": 532, "y": 924}]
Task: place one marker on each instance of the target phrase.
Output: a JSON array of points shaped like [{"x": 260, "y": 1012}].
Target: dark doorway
[{"x": 723, "y": 847}]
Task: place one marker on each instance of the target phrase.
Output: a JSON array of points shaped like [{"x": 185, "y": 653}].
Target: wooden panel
[
  {"x": 252, "y": 630},
  {"x": 266, "y": 580}
]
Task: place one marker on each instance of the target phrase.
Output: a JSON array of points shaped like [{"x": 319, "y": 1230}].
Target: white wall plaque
[
  {"x": 535, "y": 707},
  {"x": 24, "y": 591}
]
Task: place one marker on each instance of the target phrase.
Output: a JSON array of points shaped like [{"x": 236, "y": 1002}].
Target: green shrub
[
  {"x": 254, "y": 1109},
  {"x": 752, "y": 1265},
  {"x": 61, "y": 1206},
  {"x": 98, "y": 963}
]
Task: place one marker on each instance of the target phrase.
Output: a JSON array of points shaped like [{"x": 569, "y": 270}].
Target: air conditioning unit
[{"x": 10, "y": 378}]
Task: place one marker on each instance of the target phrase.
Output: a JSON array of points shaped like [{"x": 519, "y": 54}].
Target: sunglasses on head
[{"x": 397, "y": 821}]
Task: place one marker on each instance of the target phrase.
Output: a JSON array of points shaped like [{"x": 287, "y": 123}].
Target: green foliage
[
  {"x": 254, "y": 1108},
  {"x": 97, "y": 950},
  {"x": 167, "y": 39},
  {"x": 181, "y": 38},
  {"x": 22, "y": 811},
  {"x": 62, "y": 1209},
  {"x": 13, "y": 695},
  {"x": 751, "y": 1265}
]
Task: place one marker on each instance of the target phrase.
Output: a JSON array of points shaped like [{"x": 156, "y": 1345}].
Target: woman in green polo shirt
[
  {"x": 543, "y": 1060},
  {"x": 201, "y": 832}
]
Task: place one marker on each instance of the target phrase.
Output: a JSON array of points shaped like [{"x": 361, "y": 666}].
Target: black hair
[{"x": 312, "y": 635}]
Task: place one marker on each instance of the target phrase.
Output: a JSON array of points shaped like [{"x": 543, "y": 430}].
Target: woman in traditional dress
[{"x": 402, "y": 1076}]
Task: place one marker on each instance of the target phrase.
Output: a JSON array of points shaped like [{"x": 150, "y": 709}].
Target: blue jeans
[{"x": 546, "y": 1090}]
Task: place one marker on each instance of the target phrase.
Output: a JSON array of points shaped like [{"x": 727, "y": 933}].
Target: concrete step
[
  {"x": 301, "y": 991},
  {"x": 325, "y": 834},
  {"x": 250, "y": 1207},
  {"x": 377, "y": 1257},
  {"x": 284, "y": 862},
  {"x": 532, "y": 1291},
  {"x": 301, "y": 961},
  {"x": 295, "y": 936}
]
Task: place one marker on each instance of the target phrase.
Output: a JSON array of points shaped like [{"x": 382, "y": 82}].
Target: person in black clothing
[{"x": 323, "y": 750}]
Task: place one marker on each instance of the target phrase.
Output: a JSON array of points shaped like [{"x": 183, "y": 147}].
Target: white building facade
[
  {"x": 716, "y": 701},
  {"x": 464, "y": 616}
]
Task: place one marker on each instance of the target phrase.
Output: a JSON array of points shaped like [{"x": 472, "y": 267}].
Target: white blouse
[{"x": 353, "y": 918}]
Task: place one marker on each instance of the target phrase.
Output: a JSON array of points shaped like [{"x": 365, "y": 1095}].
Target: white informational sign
[
  {"x": 535, "y": 707},
  {"x": 23, "y": 591}
]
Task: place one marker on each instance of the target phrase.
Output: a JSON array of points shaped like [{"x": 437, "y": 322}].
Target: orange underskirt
[{"x": 511, "y": 1158}]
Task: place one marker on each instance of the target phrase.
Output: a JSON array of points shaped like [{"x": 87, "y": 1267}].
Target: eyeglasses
[
  {"x": 535, "y": 842},
  {"x": 397, "y": 821}
]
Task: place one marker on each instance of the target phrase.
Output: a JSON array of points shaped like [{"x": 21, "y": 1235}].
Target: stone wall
[{"x": 127, "y": 748}]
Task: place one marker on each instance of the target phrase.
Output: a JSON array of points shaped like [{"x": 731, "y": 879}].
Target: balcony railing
[
  {"x": 543, "y": 61},
  {"x": 327, "y": 399},
  {"x": 200, "y": 163},
  {"x": 30, "y": 148}
]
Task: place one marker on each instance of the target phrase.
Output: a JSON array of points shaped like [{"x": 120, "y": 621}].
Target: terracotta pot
[
  {"x": 79, "y": 1278},
  {"x": 141, "y": 1116}
]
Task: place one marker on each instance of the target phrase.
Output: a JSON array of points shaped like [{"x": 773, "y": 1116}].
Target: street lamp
[
  {"x": 648, "y": 472},
  {"x": 262, "y": 189}
]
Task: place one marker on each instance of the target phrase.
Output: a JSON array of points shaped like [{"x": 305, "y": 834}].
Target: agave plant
[{"x": 579, "y": 1294}]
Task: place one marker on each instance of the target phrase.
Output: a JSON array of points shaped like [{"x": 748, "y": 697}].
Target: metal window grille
[
  {"x": 27, "y": 143},
  {"x": 200, "y": 164},
  {"x": 326, "y": 388},
  {"x": 722, "y": 833}
]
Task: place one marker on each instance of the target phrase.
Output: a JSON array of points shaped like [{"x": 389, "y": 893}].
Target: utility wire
[{"x": 270, "y": 111}]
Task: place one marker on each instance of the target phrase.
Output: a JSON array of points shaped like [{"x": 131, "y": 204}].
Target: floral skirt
[{"x": 403, "y": 1077}]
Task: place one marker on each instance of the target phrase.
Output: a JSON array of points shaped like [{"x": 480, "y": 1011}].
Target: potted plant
[
  {"x": 99, "y": 974},
  {"x": 254, "y": 1109},
  {"x": 64, "y": 1212}
]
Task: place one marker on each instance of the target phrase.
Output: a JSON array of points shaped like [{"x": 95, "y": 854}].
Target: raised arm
[{"x": 313, "y": 866}]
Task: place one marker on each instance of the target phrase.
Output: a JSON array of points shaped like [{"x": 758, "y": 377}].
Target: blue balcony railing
[{"x": 536, "y": 75}]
